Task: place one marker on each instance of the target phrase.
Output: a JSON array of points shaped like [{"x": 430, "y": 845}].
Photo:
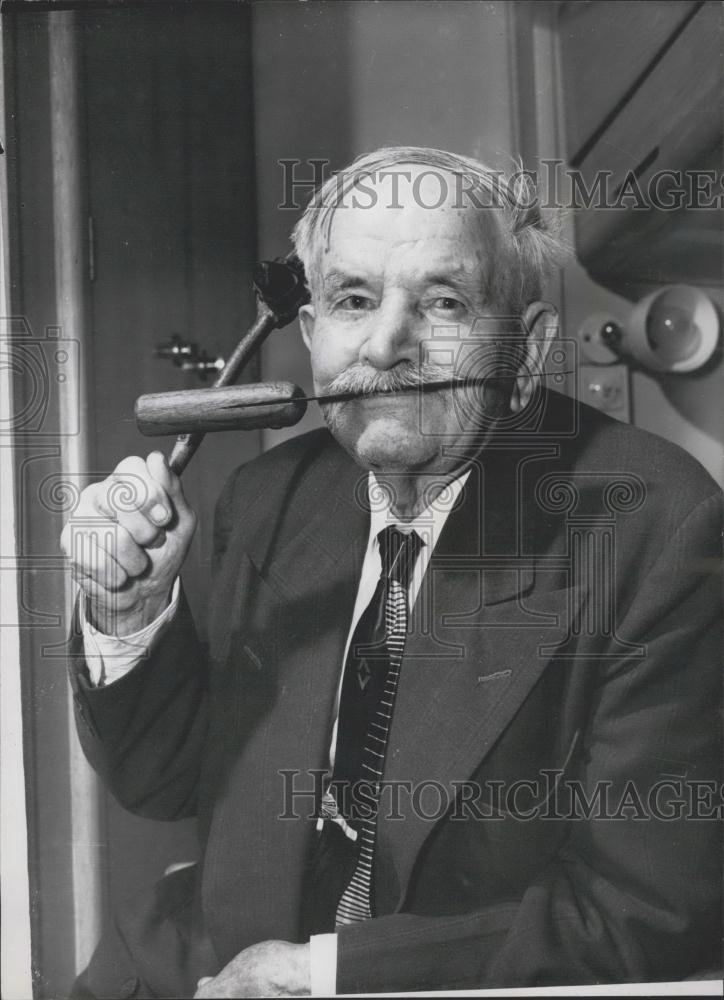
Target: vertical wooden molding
[
  {"x": 69, "y": 224},
  {"x": 15, "y": 954}
]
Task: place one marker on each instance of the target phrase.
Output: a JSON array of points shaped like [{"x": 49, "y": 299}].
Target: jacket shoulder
[
  {"x": 286, "y": 459},
  {"x": 670, "y": 475},
  {"x": 301, "y": 466}
]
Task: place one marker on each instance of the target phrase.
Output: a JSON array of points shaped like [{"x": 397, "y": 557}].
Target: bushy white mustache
[{"x": 360, "y": 378}]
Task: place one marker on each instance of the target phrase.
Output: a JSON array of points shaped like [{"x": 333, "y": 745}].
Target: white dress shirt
[{"x": 110, "y": 657}]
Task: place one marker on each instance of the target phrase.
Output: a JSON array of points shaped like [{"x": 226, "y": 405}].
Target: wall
[{"x": 335, "y": 80}]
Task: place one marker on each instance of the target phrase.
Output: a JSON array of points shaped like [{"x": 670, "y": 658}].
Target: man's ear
[
  {"x": 307, "y": 319},
  {"x": 540, "y": 320}
]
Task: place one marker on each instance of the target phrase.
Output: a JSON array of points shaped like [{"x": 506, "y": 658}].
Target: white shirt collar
[{"x": 428, "y": 524}]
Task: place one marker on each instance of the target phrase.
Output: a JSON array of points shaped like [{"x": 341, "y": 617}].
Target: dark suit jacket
[{"x": 566, "y": 633}]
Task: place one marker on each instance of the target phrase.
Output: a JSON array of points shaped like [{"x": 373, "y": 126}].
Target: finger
[
  {"x": 170, "y": 482},
  {"x": 141, "y": 529},
  {"x": 91, "y": 559},
  {"x": 141, "y": 491},
  {"x": 134, "y": 500},
  {"x": 129, "y": 555},
  {"x": 118, "y": 543},
  {"x": 109, "y": 535}
]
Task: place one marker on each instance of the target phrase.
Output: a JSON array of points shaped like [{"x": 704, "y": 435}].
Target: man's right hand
[{"x": 126, "y": 542}]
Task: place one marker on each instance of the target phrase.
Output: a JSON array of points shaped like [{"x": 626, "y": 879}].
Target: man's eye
[
  {"x": 355, "y": 303},
  {"x": 445, "y": 303}
]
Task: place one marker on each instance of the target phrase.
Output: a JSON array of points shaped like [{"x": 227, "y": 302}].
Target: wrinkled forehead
[{"x": 410, "y": 204}]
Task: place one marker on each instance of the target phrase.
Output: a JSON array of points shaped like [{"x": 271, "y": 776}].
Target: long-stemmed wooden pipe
[
  {"x": 268, "y": 404},
  {"x": 280, "y": 292},
  {"x": 195, "y": 412}
]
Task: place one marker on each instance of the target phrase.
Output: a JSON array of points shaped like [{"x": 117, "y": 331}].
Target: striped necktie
[{"x": 368, "y": 696}]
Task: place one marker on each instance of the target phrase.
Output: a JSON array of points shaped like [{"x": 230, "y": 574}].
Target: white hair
[{"x": 533, "y": 247}]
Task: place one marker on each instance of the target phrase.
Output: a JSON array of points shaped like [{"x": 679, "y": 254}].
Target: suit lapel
[
  {"x": 285, "y": 660},
  {"x": 322, "y": 562},
  {"x": 471, "y": 659}
]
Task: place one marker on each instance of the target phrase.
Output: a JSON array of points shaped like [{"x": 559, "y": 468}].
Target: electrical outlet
[
  {"x": 606, "y": 388},
  {"x": 600, "y": 335}
]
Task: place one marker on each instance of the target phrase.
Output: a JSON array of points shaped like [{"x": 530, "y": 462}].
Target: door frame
[
  {"x": 58, "y": 892},
  {"x": 15, "y": 952}
]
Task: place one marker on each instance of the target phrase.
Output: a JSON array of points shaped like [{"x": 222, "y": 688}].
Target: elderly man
[{"x": 464, "y": 649}]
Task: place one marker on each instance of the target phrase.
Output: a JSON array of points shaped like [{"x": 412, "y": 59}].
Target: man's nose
[{"x": 392, "y": 336}]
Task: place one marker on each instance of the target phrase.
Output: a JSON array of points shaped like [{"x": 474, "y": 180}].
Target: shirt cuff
[
  {"x": 110, "y": 657},
  {"x": 323, "y": 961}
]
